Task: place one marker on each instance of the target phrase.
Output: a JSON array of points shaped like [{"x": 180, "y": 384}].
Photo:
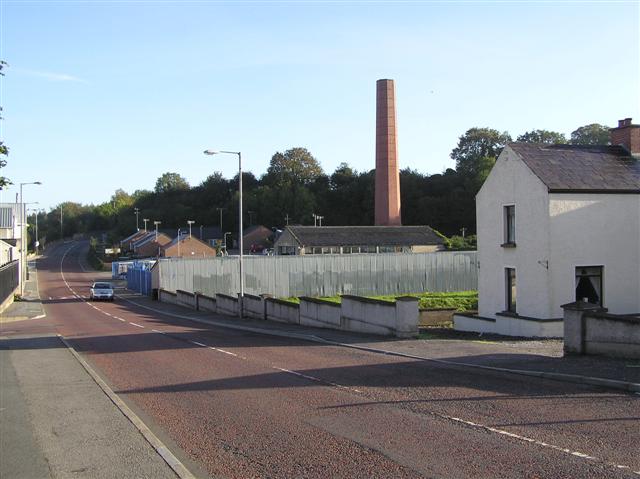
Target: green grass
[{"x": 460, "y": 300}]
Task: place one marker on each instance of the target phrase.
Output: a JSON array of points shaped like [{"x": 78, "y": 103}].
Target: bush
[{"x": 92, "y": 256}]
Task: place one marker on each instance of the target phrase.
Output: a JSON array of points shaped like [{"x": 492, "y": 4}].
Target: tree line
[{"x": 295, "y": 187}]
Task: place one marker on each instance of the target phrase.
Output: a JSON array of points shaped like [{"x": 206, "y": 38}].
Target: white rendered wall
[
  {"x": 596, "y": 230},
  {"x": 511, "y": 182}
]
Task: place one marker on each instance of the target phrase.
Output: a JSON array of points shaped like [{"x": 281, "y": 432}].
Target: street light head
[
  {"x": 37, "y": 182},
  {"x": 211, "y": 152}
]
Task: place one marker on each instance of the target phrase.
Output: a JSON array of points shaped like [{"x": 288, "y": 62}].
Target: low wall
[
  {"x": 253, "y": 307},
  {"x": 184, "y": 298},
  {"x": 226, "y": 304},
  {"x": 507, "y": 325},
  {"x": 436, "y": 316},
  {"x": 374, "y": 316},
  {"x": 589, "y": 329},
  {"x": 319, "y": 314},
  {"x": 207, "y": 303},
  {"x": 282, "y": 311},
  {"x": 167, "y": 297}
]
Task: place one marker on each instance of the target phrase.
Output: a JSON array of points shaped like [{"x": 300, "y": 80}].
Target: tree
[
  {"x": 294, "y": 166},
  {"x": 171, "y": 182},
  {"x": 4, "y": 151},
  {"x": 475, "y": 146},
  {"x": 593, "y": 134},
  {"x": 542, "y": 136}
]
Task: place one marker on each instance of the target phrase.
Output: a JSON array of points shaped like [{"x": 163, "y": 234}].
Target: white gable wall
[
  {"x": 596, "y": 230},
  {"x": 511, "y": 182}
]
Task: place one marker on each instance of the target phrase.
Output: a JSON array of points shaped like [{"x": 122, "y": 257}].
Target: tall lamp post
[
  {"x": 137, "y": 212},
  {"x": 145, "y": 220},
  {"x": 23, "y": 249},
  {"x": 240, "y": 242},
  {"x": 157, "y": 223},
  {"x": 190, "y": 222}
]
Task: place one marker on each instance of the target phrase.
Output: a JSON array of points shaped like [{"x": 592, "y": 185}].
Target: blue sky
[{"x": 103, "y": 95}]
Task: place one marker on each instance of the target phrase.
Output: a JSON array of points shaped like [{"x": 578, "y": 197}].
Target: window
[
  {"x": 589, "y": 284},
  {"x": 510, "y": 283},
  {"x": 509, "y": 225},
  {"x": 287, "y": 250}
]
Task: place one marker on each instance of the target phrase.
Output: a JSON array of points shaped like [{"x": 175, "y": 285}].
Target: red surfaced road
[{"x": 245, "y": 405}]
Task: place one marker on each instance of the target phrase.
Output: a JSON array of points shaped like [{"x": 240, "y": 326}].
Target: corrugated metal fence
[{"x": 325, "y": 275}]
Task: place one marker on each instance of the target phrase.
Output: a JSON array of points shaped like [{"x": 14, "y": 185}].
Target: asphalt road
[{"x": 236, "y": 404}]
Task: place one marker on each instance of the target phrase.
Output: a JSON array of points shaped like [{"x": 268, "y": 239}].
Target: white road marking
[
  {"x": 198, "y": 344},
  {"x": 123, "y": 320},
  {"x": 318, "y": 380},
  {"x": 225, "y": 352},
  {"x": 134, "y": 324},
  {"x": 159, "y": 332}
]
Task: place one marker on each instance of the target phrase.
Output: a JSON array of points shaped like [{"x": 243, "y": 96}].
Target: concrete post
[
  {"x": 574, "y": 325},
  {"x": 407, "y": 317}
]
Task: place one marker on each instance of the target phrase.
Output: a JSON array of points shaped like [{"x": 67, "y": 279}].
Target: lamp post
[
  {"x": 224, "y": 241},
  {"x": 23, "y": 251},
  {"x": 178, "y": 242},
  {"x": 157, "y": 223},
  {"x": 36, "y": 211},
  {"x": 190, "y": 222},
  {"x": 240, "y": 243},
  {"x": 145, "y": 220},
  {"x": 137, "y": 212}
]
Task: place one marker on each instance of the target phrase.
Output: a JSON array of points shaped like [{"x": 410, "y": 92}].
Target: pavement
[{"x": 55, "y": 419}]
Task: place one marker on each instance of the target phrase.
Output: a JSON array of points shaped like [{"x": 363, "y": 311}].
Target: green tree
[
  {"x": 171, "y": 182},
  {"x": 475, "y": 146},
  {"x": 4, "y": 151},
  {"x": 542, "y": 136},
  {"x": 593, "y": 134},
  {"x": 294, "y": 166}
]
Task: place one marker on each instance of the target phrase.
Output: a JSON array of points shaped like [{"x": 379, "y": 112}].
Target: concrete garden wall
[
  {"x": 282, "y": 311},
  {"x": 253, "y": 307},
  {"x": 319, "y": 314},
  {"x": 184, "y": 298},
  {"x": 207, "y": 303},
  {"x": 226, "y": 304}
]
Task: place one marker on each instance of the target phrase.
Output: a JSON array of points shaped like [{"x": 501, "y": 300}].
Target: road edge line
[
  {"x": 163, "y": 451},
  {"x": 561, "y": 377}
]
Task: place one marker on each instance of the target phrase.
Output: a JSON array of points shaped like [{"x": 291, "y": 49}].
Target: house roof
[
  {"x": 365, "y": 235},
  {"x": 132, "y": 236},
  {"x": 569, "y": 168},
  {"x": 149, "y": 238},
  {"x": 183, "y": 238}
]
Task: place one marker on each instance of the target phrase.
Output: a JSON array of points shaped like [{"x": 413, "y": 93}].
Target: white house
[{"x": 558, "y": 223}]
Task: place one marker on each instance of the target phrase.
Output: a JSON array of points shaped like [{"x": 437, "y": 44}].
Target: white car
[{"x": 101, "y": 291}]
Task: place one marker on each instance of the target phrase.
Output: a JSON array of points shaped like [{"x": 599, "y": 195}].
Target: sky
[{"x": 101, "y": 95}]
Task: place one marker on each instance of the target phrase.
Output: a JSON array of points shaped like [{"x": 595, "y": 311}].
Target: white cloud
[{"x": 51, "y": 76}]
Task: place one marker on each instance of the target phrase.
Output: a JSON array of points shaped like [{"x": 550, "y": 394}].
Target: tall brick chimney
[
  {"x": 627, "y": 135},
  {"x": 387, "y": 194}
]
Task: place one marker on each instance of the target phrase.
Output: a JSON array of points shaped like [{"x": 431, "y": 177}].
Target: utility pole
[
  {"x": 220, "y": 211},
  {"x": 190, "y": 222},
  {"x": 320, "y": 218},
  {"x": 61, "y": 230},
  {"x": 157, "y": 223},
  {"x": 286, "y": 219},
  {"x": 145, "y": 223},
  {"x": 463, "y": 231}
]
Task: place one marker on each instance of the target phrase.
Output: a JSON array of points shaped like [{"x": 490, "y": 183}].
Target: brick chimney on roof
[
  {"x": 627, "y": 135},
  {"x": 387, "y": 192}
]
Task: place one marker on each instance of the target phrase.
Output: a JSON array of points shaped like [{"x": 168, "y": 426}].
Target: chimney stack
[
  {"x": 387, "y": 192},
  {"x": 627, "y": 135}
]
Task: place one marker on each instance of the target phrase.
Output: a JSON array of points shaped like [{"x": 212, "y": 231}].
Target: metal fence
[
  {"x": 9, "y": 277},
  {"x": 325, "y": 275}
]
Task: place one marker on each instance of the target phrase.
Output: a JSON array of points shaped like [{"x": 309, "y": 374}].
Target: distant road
[{"x": 237, "y": 404}]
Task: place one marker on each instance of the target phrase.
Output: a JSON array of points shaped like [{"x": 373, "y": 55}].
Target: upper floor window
[{"x": 510, "y": 225}]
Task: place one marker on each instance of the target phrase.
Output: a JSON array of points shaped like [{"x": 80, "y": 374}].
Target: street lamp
[
  {"x": 240, "y": 243},
  {"x": 23, "y": 256},
  {"x": 137, "y": 212},
  {"x": 224, "y": 241},
  {"x": 157, "y": 223},
  {"x": 145, "y": 223},
  {"x": 190, "y": 222}
]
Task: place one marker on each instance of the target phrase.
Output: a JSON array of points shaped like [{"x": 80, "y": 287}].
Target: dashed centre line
[{"x": 136, "y": 324}]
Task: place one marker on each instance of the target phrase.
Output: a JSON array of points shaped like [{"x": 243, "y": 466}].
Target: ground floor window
[
  {"x": 286, "y": 250},
  {"x": 589, "y": 284},
  {"x": 510, "y": 286}
]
